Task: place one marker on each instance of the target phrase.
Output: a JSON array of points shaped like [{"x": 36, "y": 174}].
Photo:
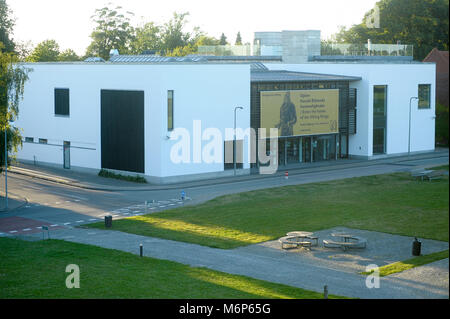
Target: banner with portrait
[{"x": 300, "y": 112}]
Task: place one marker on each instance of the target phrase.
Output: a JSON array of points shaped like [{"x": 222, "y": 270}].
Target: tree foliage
[
  {"x": 422, "y": 23},
  {"x": 147, "y": 37},
  {"x": 68, "y": 55},
  {"x": 223, "y": 40},
  {"x": 113, "y": 31},
  {"x": 46, "y": 51},
  {"x": 174, "y": 38},
  {"x": 238, "y": 39},
  {"x": 6, "y": 27},
  {"x": 12, "y": 82}
]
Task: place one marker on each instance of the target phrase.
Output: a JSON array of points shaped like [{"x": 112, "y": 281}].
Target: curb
[{"x": 280, "y": 174}]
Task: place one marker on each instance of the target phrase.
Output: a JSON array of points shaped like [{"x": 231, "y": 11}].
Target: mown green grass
[
  {"x": 391, "y": 203},
  {"x": 410, "y": 263},
  {"x": 37, "y": 270},
  {"x": 443, "y": 167}
]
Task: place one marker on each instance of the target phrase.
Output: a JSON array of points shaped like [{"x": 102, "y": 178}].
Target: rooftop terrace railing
[{"x": 355, "y": 49}]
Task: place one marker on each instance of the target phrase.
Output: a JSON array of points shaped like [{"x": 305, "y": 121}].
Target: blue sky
[{"x": 68, "y": 22}]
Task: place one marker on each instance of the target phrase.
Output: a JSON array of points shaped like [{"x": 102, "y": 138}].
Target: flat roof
[{"x": 291, "y": 76}]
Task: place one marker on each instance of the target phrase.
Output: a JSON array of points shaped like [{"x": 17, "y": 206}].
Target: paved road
[{"x": 65, "y": 205}]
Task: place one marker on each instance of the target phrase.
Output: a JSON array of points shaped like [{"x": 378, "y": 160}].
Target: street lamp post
[
  {"x": 409, "y": 128},
  {"x": 6, "y": 168},
  {"x": 234, "y": 138}
]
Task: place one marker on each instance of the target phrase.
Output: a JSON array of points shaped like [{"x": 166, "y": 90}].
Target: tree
[
  {"x": 147, "y": 37},
  {"x": 238, "y": 39},
  {"x": 205, "y": 40},
  {"x": 113, "y": 31},
  {"x": 12, "y": 82},
  {"x": 46, "y": 51},
  {"x": 173, "y": 36},
  {"x": 68, "y": 56},
  {"x": 223, "y": 40},
  {"x": 6, "y": 27},
  {"x": 423, "y": 23}
]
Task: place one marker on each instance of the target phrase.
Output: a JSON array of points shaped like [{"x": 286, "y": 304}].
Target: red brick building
[{"x": 441, "y": 60}]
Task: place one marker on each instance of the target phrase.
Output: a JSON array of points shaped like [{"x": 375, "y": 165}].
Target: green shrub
[
  {"x": 137, "y": 179},
  {"x": 441, "y": 124}
]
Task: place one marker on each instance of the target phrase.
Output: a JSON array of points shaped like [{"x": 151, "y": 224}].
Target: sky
[{"x": 69, "y": 22}]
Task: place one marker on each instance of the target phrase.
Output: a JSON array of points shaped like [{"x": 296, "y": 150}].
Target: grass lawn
[
  {"x": 391, "y": 203},
  {"x": 443, "y": 167},
  {"x": 410, "y": 263},
  {"x": 37, "y": 270}
]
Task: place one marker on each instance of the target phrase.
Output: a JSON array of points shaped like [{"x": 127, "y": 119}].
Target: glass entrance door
[
  {"x": 292, "y": 152},
  {"x": 306, "y": 149}
]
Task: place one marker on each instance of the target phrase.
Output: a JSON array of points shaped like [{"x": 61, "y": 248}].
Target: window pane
[
  {"x": 379, "y": 100},
  {"x": 424, "y": 96},
  {"x": 62, "y": 102},
  {"x": 170, "y": 110},
  {"x": 379, "y": 119}
]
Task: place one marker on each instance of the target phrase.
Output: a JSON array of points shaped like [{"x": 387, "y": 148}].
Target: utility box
[
  {"x": 416, "y": 247},
  {"x": 108, "y": 221}
]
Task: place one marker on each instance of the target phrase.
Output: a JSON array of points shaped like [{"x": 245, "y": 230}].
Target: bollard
[
  {"x": 141, "y": 250},
  {"x": 325, "y": 292},
  {"x": 108, "y": 221},
  {"x": 416, "y": 247},
  {"x": 286, "y": 175},
  {"x": 45, "y": 228}
]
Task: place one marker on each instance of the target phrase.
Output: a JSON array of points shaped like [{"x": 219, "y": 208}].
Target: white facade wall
[
  {"x": 201, "y": 91},
  {"x": 402, "y": 82}
]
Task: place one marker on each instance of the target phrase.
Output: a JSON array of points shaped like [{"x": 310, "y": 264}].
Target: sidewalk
[
  {"x": 94, "y": 182},
  {"x": 274, "y": 265},
  {"x": 14, "y": 202}
]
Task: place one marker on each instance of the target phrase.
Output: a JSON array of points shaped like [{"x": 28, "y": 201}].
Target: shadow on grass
[{"x": 391, "y": 203}]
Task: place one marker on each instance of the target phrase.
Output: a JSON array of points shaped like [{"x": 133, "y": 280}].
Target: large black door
[{"x": 122, "y": 129}]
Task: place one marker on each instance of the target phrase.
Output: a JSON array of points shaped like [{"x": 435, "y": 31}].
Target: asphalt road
[{"x": 71, "y": 206}]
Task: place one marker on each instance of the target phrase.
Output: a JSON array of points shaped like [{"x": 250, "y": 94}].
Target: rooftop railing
[{"x": 354, "y": 49}]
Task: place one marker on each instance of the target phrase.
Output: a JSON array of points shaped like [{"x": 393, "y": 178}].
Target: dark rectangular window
[
  {"x": 43, "y": 141},
  {"x": 379, "y": 118},
  {"x": 62, "y": 102},
  {"x": 29, "y": 140},
  {"x": 170, "y": 110},
  {"x": 424, "y": 96}
]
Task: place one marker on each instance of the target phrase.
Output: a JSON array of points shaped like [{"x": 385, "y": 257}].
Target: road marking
[
  {"x": 79, "y": 221},
  {"x": 57, "y": 203},
  {"x": 13, "y": 231},
  {"x": 115, "y": 215},
  {"x": 26, "y": 229},
  {"x": 54, "y": 225},
  {"x": 27, "y": 206},
  {"x": 93, "y": 219},
  {"x": 66, "y": 223},
  {"x": 171, "y": 204},
  {"x": 161, "y": 206}
]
